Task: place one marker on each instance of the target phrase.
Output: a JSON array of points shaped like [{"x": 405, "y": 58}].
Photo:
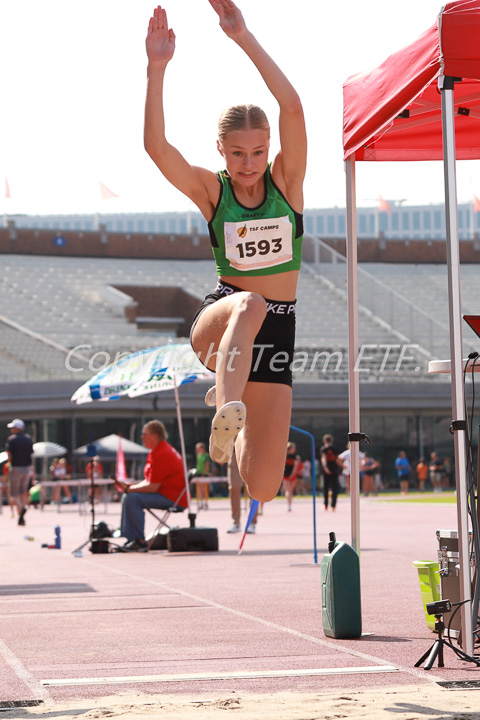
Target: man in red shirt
[{"x": 163, "y": 484}]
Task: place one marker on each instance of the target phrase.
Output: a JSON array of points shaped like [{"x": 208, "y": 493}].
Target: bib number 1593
[
  {"x": 256, "y": 244},
  {"x": 263, "y": 247}
]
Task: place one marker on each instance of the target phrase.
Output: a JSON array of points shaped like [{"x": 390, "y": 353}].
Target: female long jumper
[{"x": 245, "y": 329}]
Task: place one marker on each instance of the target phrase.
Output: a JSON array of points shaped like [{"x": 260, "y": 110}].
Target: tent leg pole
[
  {"x": 446, "y": 85},
  {"x": 353, "y": 380}
]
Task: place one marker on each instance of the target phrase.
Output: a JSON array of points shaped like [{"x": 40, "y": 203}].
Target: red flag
[
  {"x": 120, "y": 470},
  {"x": 476, "y": 204},
  {"x": 383, "y": 205},
  {"x": 106, "y": 193},
  {"x": 7, "y": 189}
]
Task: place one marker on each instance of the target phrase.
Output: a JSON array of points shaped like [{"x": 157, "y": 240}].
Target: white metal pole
[
  {"x": 182, "y": 442},
  {"x": 353, "y": 380},
  {"x": 446, "y": 85}
]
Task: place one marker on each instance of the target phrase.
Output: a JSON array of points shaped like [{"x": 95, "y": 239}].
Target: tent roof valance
[{"x": 394, "y": 111}]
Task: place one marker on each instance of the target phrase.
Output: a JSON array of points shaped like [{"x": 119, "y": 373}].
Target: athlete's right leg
[
  {"x": 223, "y": 339},
  {"x": 226, "y": 331}
]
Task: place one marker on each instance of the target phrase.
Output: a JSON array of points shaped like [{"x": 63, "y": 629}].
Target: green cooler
[{"x": 341, "y": 604}]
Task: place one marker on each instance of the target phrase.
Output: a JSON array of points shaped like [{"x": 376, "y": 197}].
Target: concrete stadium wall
[{"x": 25, "y": 241}]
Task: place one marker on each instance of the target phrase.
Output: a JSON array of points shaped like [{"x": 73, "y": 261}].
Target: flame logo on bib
[{"x": 242, "y": 232}]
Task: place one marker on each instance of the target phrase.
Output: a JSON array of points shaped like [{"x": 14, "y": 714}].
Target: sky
[{"x": 73, "y": 89}]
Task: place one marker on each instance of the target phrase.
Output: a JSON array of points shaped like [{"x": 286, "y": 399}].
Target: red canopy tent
[
  {"x": 394, "y": 112},
  {"x": 422, "y": 103}
]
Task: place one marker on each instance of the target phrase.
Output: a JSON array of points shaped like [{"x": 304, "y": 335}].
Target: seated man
[{"x": 163, "y": 483}]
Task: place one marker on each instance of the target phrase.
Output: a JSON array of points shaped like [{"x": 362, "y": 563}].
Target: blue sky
[{"x": 73, "y": 87}]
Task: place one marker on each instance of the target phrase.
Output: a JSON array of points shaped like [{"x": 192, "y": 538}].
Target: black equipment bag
[
  {"x": 158, "y": 540},
  {"x": 192, "y": 539}
]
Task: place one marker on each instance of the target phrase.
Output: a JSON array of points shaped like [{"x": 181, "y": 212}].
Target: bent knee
[
  {"x": 262, "y": 495},
  {"x": 265, "y": 491},
  {"x": 251, "y": 306}
]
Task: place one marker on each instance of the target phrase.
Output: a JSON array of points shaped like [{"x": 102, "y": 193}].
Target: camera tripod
[
  {"x": 96, "y": 533},
  {"x": 436, "y": 650}
]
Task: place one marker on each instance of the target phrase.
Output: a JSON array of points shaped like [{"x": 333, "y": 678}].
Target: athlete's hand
[
  {"x": 160, "y": 40},
  {"x": 231, "y": 19}
]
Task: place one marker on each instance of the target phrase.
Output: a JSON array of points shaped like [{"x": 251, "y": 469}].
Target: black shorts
[{"x": 274, "y": 344}]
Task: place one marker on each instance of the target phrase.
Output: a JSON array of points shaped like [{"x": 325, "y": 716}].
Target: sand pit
[{"x": 403, "y": 703}]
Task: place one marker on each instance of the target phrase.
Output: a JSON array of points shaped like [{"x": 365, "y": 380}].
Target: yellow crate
[{"x": 429, "y": 576}]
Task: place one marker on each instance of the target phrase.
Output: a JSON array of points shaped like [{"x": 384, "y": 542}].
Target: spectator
[
  {"x": 164, "y": 480},
  {"x": 436, "y": 467},
  {"x": 422, "y": 473},
  {"x": 292, "y": 468},
  {"x": 202, "y": 470},
  {"x": 332, "y": 466},
  {"x": 304, "y": 480},
  {"x": 447, "y": 473},
  {"x": 378, "y": 478},
  {"x": 402, "y": 466},
  {"x": 36, "y": 495},
  {"x": 6, "y": 489},
  {"x": 58, "y": 472},
  {"x": 19, "y": 447},
  {"x": 345, "y": 457},
  {"x": 369, "y": 468},
  {"x": 94, "y": 470},
  {"x": 235, "y": 484}
]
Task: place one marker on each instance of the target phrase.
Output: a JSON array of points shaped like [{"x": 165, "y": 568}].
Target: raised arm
[
  {"x": 200, "y": 185},
  {"x": 290, "y": 164}
]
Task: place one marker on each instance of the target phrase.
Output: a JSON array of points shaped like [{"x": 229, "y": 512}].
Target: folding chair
[{"x": 157, "y": 540}]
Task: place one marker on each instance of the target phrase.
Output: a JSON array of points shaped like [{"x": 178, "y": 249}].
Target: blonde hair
[
  {"x": 156, "y": 427},
  {"x": 242, "y": 117}
]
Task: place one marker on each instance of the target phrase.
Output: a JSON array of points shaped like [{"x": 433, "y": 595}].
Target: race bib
[{"x": 256, "y": 244}]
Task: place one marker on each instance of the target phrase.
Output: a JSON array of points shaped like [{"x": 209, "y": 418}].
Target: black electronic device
[
  {"x": 436, "y": 650},
  {"x": 99, "y": 546},
  {"x": 192, "y": 539},
  {"x": 439, "y": 608}
]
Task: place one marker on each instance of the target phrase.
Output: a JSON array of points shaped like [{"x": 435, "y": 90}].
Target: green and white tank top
[{"x": 264, "y": 240}]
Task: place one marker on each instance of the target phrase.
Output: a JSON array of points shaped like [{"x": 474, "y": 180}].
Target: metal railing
[{"x": 384, "y": 304}]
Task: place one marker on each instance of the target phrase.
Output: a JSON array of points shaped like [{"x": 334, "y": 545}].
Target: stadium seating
[{"x": 70, "y": 302}]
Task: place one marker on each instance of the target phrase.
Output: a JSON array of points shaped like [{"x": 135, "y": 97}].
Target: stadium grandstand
[
  {"x": 72, "y": 298},
  {"x": 395, "y": 220}
]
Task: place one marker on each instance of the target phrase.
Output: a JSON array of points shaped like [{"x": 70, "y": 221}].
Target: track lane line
[
  {"x": 36, "y": 688},
  {"x": 416, "y": 672}
]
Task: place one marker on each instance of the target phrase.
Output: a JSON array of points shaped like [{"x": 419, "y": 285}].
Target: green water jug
[{"x": 341, "y": 599}]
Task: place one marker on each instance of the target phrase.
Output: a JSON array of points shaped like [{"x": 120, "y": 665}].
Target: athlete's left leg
[{"x": 261, "y": 446}]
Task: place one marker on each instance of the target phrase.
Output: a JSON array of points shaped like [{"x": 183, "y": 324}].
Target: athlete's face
[{"x": 246, "y": 155}]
